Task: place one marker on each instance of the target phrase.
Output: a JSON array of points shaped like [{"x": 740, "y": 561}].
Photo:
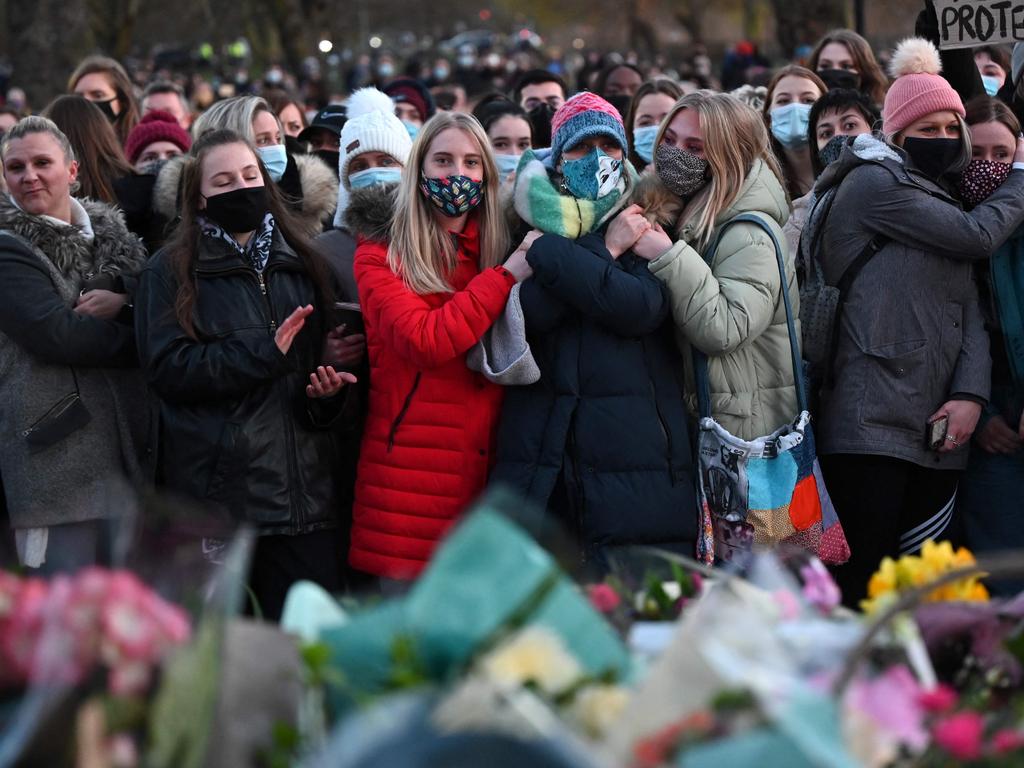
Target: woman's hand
[
  {"x": 326, "y": 382},
  {"x": 625, "y": 230},
  {"x": 344, "y": 350},
  {"x": 518, "y": 265},
  {"x": 652, "y": 243},
  {"x": 997, "y": 437},
  {"x": 530, "y": 238},
  {"x": 101, "y": 304},
  {"x": 963, "y": 418},
  {"x": 287, "y": 331}
]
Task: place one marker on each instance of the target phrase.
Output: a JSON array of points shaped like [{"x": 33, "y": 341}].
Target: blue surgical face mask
[
  {"x": 371, "y": 176},
  {"x": 643, "y": 142},
  {"x": 991, "y": 84},
  {"x": 275, "y": 158},
  {"x": 592, "y": 176},
  {"x": 412, "y": 128},
  {"x": 789, "y": 124},
  {"x": 507, "y": 164}
]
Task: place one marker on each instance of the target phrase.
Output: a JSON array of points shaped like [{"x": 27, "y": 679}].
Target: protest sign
[{"x": 968, "y": 23}]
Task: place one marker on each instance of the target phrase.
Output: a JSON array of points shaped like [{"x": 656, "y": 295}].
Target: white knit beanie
[{"x": 372, "y": 127}]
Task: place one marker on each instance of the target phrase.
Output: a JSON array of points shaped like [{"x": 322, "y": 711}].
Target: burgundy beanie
[
  {"x": 155, "y": 126},
  {"x": 411, "y": 91},
  {"x": 918, "y": 89}
]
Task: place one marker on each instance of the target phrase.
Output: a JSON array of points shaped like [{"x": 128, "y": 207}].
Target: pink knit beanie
[{"x": 918, "y": 89}]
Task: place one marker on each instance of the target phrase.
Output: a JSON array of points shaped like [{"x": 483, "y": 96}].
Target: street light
[{"x": 326, "y": 46}]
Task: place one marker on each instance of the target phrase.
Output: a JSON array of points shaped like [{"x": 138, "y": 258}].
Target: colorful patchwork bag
[{"x": 769, "y": 490}]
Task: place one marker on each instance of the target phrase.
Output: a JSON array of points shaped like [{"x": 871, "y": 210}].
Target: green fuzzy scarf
[{"x": 543, "y": 206}]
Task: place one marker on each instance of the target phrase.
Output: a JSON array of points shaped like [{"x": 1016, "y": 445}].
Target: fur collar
[
  {"x": 68, "y": 255},
  {"x": 319, "y": 191},
  {"x": 370, "y": 212}
]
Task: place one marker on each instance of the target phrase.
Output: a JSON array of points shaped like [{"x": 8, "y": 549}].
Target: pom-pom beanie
[{"x": 918, "y": 89}]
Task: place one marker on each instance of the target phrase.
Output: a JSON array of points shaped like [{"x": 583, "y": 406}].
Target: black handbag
[{"x": 66, "y": 417}]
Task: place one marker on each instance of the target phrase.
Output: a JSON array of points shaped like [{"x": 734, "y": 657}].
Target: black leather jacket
[{"x": 236, "y": 427}]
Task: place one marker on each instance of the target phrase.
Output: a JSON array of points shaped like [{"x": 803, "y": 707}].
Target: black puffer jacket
[
  {"x": 602, "y": 438},
  {"x": 236, "y": 427}
]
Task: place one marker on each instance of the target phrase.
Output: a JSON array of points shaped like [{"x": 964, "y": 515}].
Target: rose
[
  {"x": 960, "y": 735},
  {"x": 603, "y": 597}
]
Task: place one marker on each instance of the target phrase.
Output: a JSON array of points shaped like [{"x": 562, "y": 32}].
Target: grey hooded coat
[{"x": 911, "y": 335}]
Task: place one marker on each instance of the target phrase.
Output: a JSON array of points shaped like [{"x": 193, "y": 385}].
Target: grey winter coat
[
  {"x": 912, "y": 335},
  {"x": 42, "y": 268}
]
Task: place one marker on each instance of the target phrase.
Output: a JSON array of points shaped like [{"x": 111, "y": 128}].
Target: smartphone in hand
[{"x": 937, "y": 431}]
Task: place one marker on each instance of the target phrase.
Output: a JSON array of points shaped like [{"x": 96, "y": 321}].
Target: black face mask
[
  {"x": 831, "y": 151},
  {"x": 835, "y": 79},
  {"x": 107, "y": 108},
  {"x": 295, "y": 147},
  {"x": 329, "y": 157},
  {"x": 540, "y": 121},
  {"x": 240, "y": 210},
  {"x": 933, "y": 157}
]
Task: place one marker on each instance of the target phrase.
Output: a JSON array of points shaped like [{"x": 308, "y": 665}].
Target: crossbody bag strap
[{"x": 700, "y": 360}]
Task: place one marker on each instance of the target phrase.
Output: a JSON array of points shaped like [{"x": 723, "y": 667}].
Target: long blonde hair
[
  {"x": 235, "y": 114},
  {"x": 421, "y": 250},
  {"x": 734, "y": 138}
]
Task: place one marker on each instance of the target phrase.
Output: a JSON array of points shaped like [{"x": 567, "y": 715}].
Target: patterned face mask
[
  {"x": 453, "y": 195},
  {"x": 682, "y": 172},
  {"x": 592, "y": 176},
  {"x": 980, "y": 179},
  {"x": 831, "y": 151}
]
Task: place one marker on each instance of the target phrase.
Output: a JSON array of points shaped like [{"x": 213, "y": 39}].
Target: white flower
[
  {"x": 534, "y": 655},
  {"x": 597, "y": 707}
]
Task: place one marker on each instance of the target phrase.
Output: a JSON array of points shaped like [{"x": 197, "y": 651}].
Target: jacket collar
[
  {"x": 467, "y": 242},
  {"x": 215, "y": 254}
]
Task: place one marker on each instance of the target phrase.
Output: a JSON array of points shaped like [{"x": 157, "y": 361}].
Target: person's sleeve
[
  {"x": 625, "y": 298},
  {"x": 908, "y": 215},
  {"x": 36, "y": 317},
  {"x": 719, "y": 311},
  {"x": 424, "y": 335},
  {"x": 182, "y": 369}
]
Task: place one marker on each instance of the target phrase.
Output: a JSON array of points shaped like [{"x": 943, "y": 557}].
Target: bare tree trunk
[
  {"x": 691, "y": 16},
  {"x": 804, "y": 21},
  {"x": 47, "y": 40}
]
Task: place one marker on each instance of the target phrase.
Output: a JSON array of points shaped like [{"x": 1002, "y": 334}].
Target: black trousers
[
  {"x": 888, "y": 507},
  {"x": 280, "y": 561}
]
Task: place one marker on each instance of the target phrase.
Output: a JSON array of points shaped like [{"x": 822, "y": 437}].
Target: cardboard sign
[{"x": 968, "y": 23}]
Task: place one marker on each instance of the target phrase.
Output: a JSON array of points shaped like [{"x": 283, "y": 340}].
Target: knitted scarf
[{"x": 542, "y": 205}]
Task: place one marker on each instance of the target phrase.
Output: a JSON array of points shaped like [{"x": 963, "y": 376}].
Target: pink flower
[
  {"x": 892, "y": 702},
  {"x": 820, "y": 590},
  {"x": 939, "y": 699},
  {"x": 1006, "y": 741},
  {"x": 961, "y": 735},
  {"x": 129, "y": 678},
  {"x": 603, "y": 597}
]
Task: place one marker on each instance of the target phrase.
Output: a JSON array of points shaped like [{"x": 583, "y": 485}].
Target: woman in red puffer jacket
[{"x": 428, "y": 295}]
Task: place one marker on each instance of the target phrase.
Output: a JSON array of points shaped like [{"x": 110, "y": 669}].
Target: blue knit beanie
[{"x": 581, "y": 117}]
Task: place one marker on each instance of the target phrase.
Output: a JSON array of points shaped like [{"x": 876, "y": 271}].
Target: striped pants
[{"x": 888, "y": 507}]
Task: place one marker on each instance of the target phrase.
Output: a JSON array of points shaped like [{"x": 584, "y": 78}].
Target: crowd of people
[{"x": 342, "y": 328}]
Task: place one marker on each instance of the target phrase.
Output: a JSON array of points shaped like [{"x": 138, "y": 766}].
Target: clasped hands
[{"x": 324, "y": 381}]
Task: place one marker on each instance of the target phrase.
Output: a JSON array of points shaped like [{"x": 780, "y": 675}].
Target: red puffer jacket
[{"x": 432, "y": 423}]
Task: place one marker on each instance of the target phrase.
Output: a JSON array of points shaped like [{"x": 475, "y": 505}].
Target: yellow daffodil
[{"x": 911, "y": 571}]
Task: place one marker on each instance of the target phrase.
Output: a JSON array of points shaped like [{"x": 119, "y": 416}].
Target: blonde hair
[
  {"x": 235, "y": 114},
  {"x": 735, "y": 137},
  {"x": 421, "y": 249}
]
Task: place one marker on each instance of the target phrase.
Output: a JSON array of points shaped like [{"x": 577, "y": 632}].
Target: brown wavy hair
[
  {"x": 101, "y": 160},
  {"x": 183, "y": 250},
  {"x": 873, "y": 81},
  {"x": 118, "y": 79}
]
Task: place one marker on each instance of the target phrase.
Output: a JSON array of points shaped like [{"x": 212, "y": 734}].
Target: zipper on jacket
[
  {"x": 401, "y": 413},
  {"x": 266, "y": 299}
]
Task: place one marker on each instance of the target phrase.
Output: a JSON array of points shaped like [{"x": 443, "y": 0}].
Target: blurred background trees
[{"x": 43, "y": 39}]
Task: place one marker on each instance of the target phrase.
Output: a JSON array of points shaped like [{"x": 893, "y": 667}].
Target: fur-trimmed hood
[
  {"x": 370, "y": 212},
  {"x": 319, "y": 191},
  {"x": 112, "y": 251}
]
